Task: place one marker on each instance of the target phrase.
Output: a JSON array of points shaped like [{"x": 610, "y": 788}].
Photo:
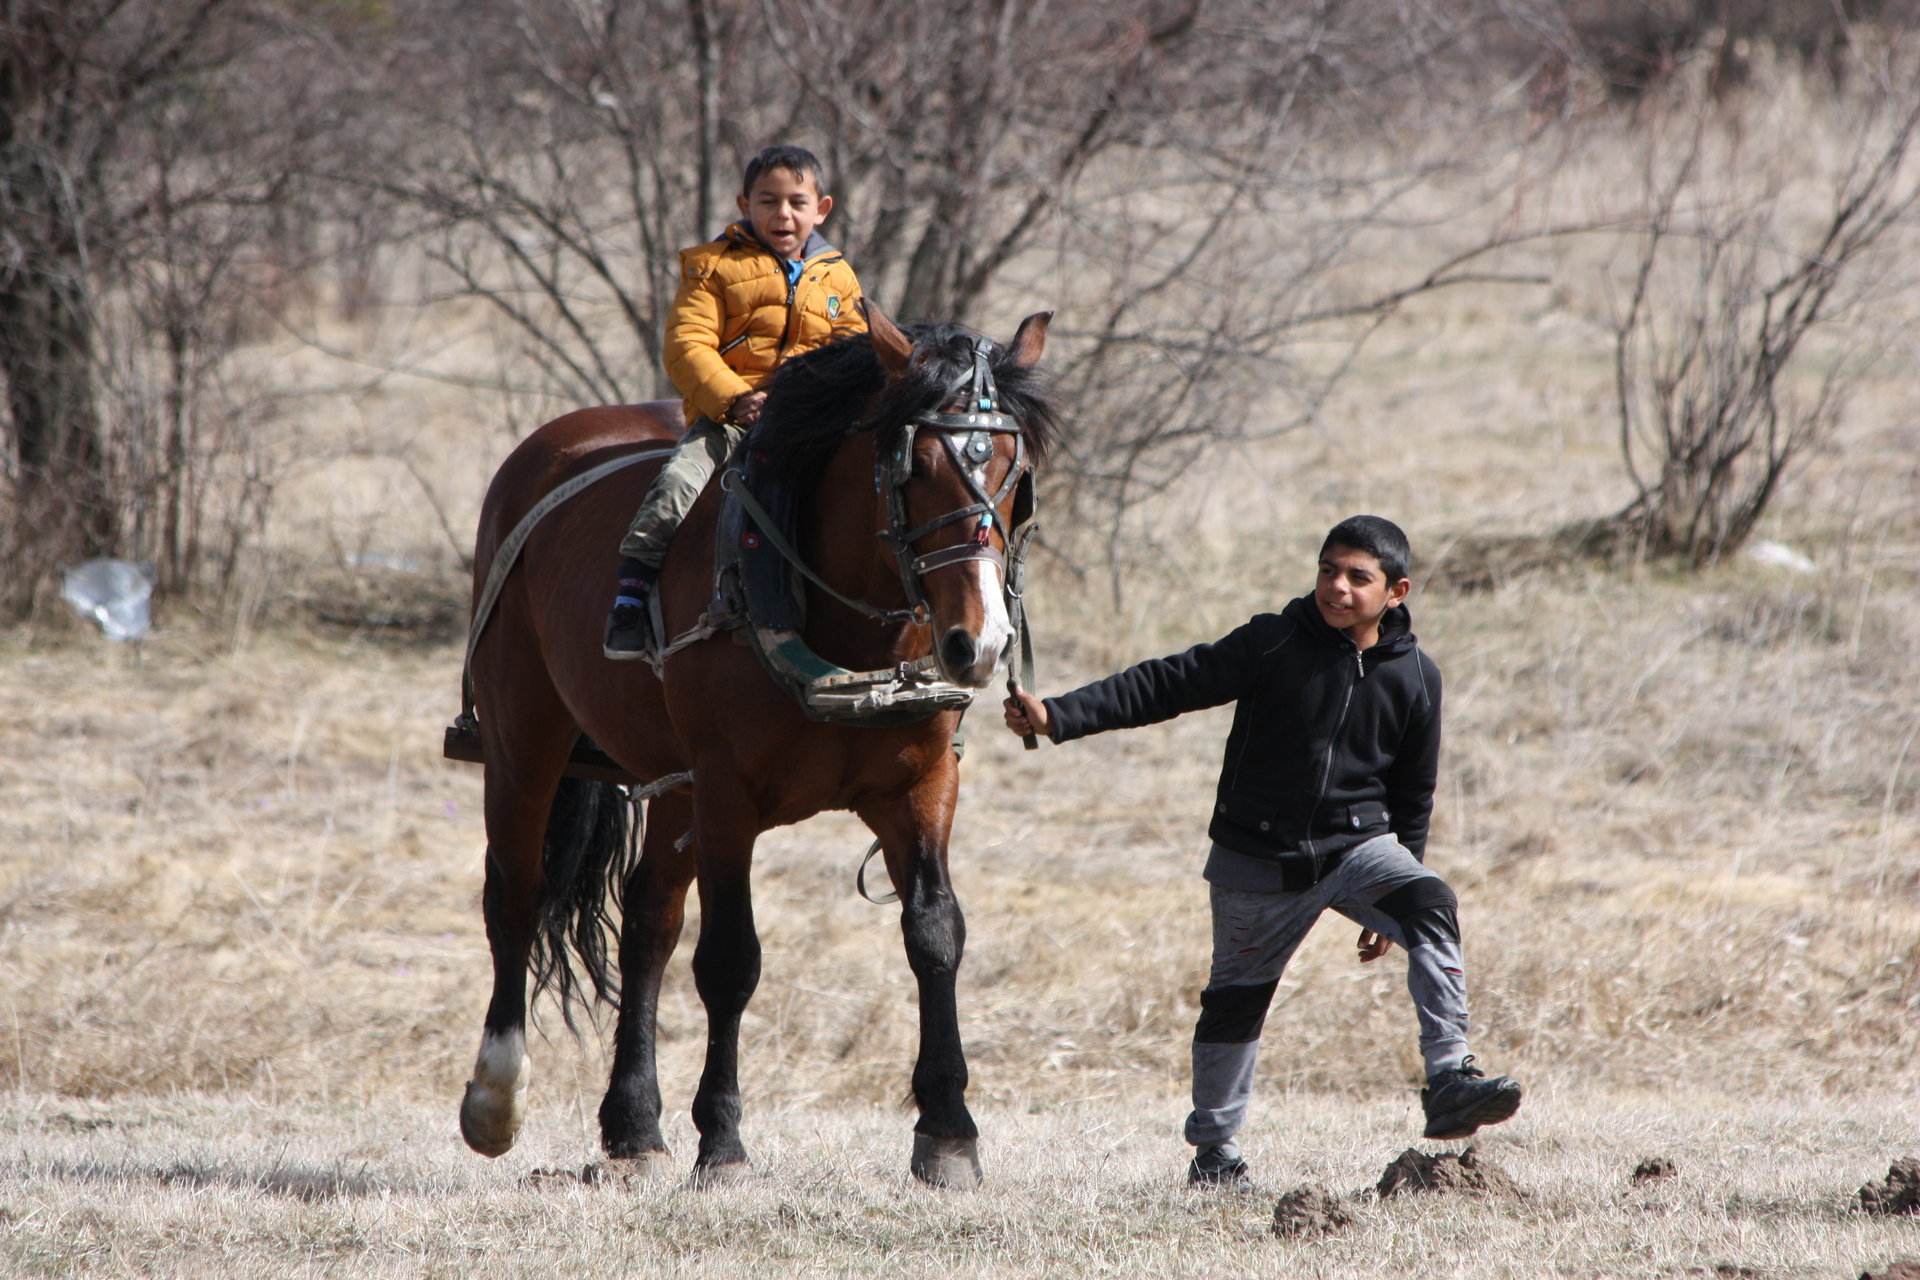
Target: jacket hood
[
  {"x": 741, "y": 232},
  {"x": 1396, "y": 627}
]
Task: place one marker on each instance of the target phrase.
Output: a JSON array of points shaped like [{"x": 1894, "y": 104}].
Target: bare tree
[
  {"x": 1716, "y": 402},
  {"x": 1180, "y": 179},
  {"x": 147, "y": 154},
  {"x": 72, "y": 77}
]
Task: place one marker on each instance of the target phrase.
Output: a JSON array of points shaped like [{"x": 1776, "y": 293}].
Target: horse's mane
[{"x": 816, "y": 398}]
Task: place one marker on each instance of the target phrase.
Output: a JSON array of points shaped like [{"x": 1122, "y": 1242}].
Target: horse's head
[{"x": 955, "y": 469}]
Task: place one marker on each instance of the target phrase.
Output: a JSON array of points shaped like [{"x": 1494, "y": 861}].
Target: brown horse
[{"x": 879, "y": 435}]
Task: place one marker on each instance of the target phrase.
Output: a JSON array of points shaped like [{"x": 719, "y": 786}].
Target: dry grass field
[{"x": 242, "y": 967}]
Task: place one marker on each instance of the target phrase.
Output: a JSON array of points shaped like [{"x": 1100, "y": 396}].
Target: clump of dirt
[
  {"x": 1464, "y": 1174},
  {"x": 1305, "y": 1213},
  {"x": 1654, "y": 1168},
  {"x": 1904, "y": 1269},
  {"x": 1900, "y": 1193},
  {"x": 587, "y": 1175}
]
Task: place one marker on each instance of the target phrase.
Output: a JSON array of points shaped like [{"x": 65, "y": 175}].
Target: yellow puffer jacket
[{"x": 735, "y": 318}]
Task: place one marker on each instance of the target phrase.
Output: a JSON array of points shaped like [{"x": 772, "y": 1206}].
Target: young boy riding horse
[{"x": 767, "y": 289}]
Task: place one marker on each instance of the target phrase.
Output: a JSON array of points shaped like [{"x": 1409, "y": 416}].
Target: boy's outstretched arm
[{"x": 1026, "y": 715}]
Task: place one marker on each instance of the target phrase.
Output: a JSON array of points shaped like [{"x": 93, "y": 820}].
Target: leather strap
[{"x": 508, "y": 553}]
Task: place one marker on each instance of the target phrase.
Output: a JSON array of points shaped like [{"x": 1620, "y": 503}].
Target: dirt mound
[
  {"x": 1904, "y": 1269},
  {"x": 1464, "y": 1174},
  {"x": 1654, "y": 1168},
  {"x": 1900, "y": 1193},
  {"x": 1306, "y": 1212}
]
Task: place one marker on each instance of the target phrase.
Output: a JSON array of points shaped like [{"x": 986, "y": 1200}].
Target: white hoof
[
  {"x": 495, "y": 1101},
  {"x": 946, "y": 1162}
]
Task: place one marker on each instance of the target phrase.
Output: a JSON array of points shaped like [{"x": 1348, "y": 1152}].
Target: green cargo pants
[{"x": 702, "y": 451}]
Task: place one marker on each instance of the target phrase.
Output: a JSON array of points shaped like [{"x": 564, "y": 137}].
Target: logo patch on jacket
[{"x": 833, "y": 305}]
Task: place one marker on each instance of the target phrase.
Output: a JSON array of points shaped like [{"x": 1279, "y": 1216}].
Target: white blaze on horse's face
[
  {"x": 996, "y": 630},
  {"x": 967, "y": 596}
]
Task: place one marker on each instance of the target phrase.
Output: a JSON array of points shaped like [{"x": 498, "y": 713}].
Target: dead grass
[
  {"x": 243, "y": 970},
  {"x": 194, "y": 1186}
]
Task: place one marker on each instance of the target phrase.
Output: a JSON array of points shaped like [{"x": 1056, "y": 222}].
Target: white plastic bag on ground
[{"x": 114, "y": 593}]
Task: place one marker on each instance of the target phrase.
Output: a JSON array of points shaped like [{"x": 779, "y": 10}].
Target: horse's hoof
[
  {"x": 946, "y": 1162},
  {"x": 495, "y": 1100},
  {"x": 732, "y": 1173},
  {"x": 488, "y": 1121}
]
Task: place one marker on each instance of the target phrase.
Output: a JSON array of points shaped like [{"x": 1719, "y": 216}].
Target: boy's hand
[
  {"x": 1026, "y": 714},
  {"x": 746, "y": 407},
  {"x": 1373, "y": 945}
]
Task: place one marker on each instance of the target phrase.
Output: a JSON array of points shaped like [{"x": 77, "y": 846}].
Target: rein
[{"x": 770, "y": 530}]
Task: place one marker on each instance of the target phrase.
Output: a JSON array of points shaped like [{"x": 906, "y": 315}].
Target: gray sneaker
[
  {"x": 1214, "y": 1167},
  {"x": 1459, "y": 1101}
]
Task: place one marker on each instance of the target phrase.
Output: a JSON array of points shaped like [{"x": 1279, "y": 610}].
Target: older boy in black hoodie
[{"x": 1323, "y": 801}]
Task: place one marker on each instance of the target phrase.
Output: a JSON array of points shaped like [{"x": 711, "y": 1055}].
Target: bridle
[{"x": 967, "y": 435}]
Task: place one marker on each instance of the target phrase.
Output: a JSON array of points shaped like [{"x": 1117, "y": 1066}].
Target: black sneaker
[
  {"x": 1213, "y": 1167},
  {"x": 1459, "y": 1101},
  {"x": 628, "y": 634}
]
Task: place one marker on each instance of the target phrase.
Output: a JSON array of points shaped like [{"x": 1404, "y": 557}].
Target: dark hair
[
  {"x": 817, "y": 397},
  {"x": 1378, "y": 537},
  {"x": 795, "y": 160}
]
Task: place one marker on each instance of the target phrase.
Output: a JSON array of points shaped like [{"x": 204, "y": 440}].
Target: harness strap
[
  {"x": 964, "y": 513},
  {"x": 860, "y": 880},
  {"x": 770, "y": 530},
  {"x": 508, "y": 554},
  {"x": 947, "y": 557}
]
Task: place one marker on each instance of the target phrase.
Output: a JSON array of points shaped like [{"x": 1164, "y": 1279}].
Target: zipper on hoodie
[
  {"x": 793, "y": 290},
  {"x": 1326, "y": 772}
]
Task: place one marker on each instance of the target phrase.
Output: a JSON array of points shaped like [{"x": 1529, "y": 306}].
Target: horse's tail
[{"x": 590, "y": 845}]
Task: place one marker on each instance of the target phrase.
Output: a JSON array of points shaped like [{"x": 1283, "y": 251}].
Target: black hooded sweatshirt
[{"x": 1331, "y": 746}]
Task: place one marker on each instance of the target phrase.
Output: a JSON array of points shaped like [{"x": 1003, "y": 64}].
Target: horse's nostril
[{"x": 959, "y": 649}]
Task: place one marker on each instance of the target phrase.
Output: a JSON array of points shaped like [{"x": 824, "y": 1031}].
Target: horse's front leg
[
  {"x": 913, "y": 831},
  {"x": 654, "y": 906},
  {"x": 726, "y": 960}
]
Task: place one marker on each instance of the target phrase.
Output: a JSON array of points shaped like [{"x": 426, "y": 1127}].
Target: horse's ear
[
  {"x": 892, "y": 346},
  {"x": 1030, "y": 339}
]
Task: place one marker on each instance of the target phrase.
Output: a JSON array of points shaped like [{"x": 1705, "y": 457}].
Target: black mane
[{"x": 816, "y": 398}]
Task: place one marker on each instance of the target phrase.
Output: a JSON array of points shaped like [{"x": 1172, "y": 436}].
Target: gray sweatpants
[
  {"x": 702, "y": 451},
  {"x": 1378, "y": 886}
]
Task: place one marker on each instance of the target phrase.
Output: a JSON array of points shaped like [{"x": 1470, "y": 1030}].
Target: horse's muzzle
[{"x": 971, "y": 660}]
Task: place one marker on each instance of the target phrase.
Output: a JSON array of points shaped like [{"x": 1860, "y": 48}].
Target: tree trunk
[{"x": 61, "y": 511}]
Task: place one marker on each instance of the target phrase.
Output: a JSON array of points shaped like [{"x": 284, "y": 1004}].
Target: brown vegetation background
[{"x": 241, "y": 956}]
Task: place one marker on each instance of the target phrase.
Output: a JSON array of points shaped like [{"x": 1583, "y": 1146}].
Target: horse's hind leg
[
  {"x": 654, "y": 905},
  {"x": 519, "y": 797}
]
